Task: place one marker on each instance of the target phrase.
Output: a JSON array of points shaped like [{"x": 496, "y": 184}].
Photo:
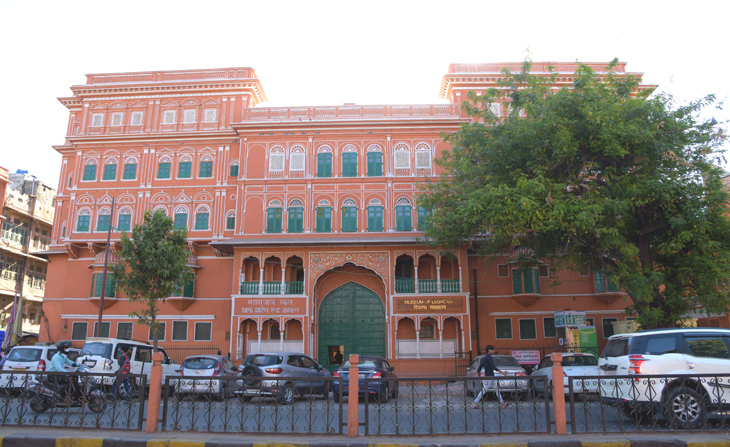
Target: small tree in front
[{"x": 153, "y": 266}]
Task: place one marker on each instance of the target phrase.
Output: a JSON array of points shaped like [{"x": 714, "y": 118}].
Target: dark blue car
[{"x": 369, "y": 367}]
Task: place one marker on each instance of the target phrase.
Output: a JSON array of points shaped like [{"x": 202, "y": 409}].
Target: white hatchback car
[
  {"x": 575, "y": 364},
  {"x": 30, "y": 358},
  {"x": 207, "y": 366},
  {"x": 680, "y": 356}
]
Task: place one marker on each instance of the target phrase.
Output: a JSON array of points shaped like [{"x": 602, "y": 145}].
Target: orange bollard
[
  {"x": 353, "y": 419},
  {"x": 153, "y": 400},
  {"x": 558, "y": 394}
]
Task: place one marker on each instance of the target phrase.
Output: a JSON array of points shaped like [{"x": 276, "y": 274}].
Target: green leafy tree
[
  {"x": 599, "y": 174},
  {"x": 153, "y": 266}
]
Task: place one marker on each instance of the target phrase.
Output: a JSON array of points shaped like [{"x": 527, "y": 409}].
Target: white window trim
[
  {"x": 102, "y": 328},
  {"x": 215, "y": 112},
  {"x": 538, "y": 271},
  {"x": 174, "y": 117},
  {"x": 519, "y": 328},
  {"x": 196, "y": 330},
  {"x": 185, "y": 116},
  {"x": 395, "y": 156},
  {"x": 585, "y": 276},
  {"x": 157, "y": 170},
  {"x": 124, "y": 322},
  {"x": 503, "y": 276},
  {"x": 592, "y": 320},
  {"x": 604, "y": 319},
  {"x": 429, "y": 160},
  {"x": 304, "y": 163},
  {"x": 271, "y": 158},
  {"x": 93, "y": 115},
  {"x": 121, "y": 119},
  {"x": 172, "y": 334},
  {"x": 512, "y": 329},
  {"x": 195, "y": 219},
  {"x": 86, "y": 334},
  {"x": 141, "y": 118},
  {"x": 164, "y": 331},
  {"x": 116, "y": 172},
  {"x": 136, "y": 171},
  {"x": 543, "y": 328}
]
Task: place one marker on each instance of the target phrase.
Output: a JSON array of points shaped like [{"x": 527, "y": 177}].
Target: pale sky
[{"x": 328, "y": 53}]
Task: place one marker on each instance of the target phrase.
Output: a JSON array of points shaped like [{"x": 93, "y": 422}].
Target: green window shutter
[
  {"x": 185, "y": 169},
  {"x": 324, "y": 165},
  {"x": 375, "y": 218},
  {"x": 103, "y": 223},
  {"x": 206, "y": 169},
  {"x": 97, "y": 283},
  {"x": 189, "y": 287},
  {"x": 527, "y": 276},
  {"x": 296, "y": 220},
  {"x": 349, "y": 219},
  {"x": 234, "y": 171},
  {"x": 93, "y": 284},
  {"x": 231, "y": 223},
  {"x": 403, "y": 218},
  {"x": 124, "y": 222},
  {"x": 273, "y": 220},
  {"x": 83, "y": 223},
  {"x": 90, "y": 172},
  {"x": 536, "y": 275},
  {"x": 110, "y": 286},
  {"x": 110, "y": 172},
  {"x": 201, "y": 221},
  {"x": 130, "y": 171},
  {"x": 516, "y": 281},
  {"x": 600, "y": 281},
  {"x": 181, "y": 221},
  {"x": 324, "y": 219},
  {"x": 424, "y": 218},
  {"x": 375, "y": 164},
  {"x": 349, "y": 164},
  {"x": 163, "y": 170},
  {"x": 611, "y": 284}
]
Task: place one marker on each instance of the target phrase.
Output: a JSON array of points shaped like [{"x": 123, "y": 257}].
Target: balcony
[
  {"x": 408, "y": 285},
  {"x": 272, "y": 288},
  {"x": 526, "y": 286},
  {"x": 607, "y": 291},
  {"x": 14, "y": 235}
]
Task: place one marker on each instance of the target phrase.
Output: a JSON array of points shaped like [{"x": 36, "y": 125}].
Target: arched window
[
  {"x": 124, "y": 221},
  {"x": 202, "y": 217},
  {"x": 276, "y": 159},
  {"x": 163, "y": 167},
  {"x": 403, "y": 220},
  {"x": 375, "y": 160},
  {"x": 181, "y": 217},
  {"x": 233, "y": 171},
  {"x": 103, "y": 222},
  {"x": 162, "y": 208},
  {"x": 324, "y": 161},
  {"x": 110, "y": 169},
  {"x": 423, "y": 156},
  {"x": 90, "y": 170},
  {"x": 295, "y": 213},
  {"x": 83, "y": 220},
  {"x": 375, "y": 216},
  {"x": 297, "y": 158},
  {"x": 274, "y": 215},
  {"x": 231, "y": 220},
  {"x": 349, "y": 216},
  {"x": 185, "y": 167},
  {"x": 402, "y": 156},
  {"x": 349, "y": 161},
  {"x": 206, "y": 166},
  {"x": 130, "y": 168}
]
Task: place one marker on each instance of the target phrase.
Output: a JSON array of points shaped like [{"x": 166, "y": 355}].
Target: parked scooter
[{"x": 48, "y": 392}]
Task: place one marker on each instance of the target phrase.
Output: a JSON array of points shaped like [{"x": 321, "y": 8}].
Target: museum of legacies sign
[
  {"x": 431, "y": 305},
  {"x": 270, "y": 306}
]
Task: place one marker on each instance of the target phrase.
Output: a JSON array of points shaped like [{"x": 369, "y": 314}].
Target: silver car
[
  {"x": 283, "y": 368},
  {"x": 504, "y": 363},
  {"x": 207, "y": 366},
  {"x": 30, "y": 358}
]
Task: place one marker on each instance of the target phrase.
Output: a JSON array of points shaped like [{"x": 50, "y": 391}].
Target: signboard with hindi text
[
  {"x": 270, "y": 306},
  {"x": 570, "y": 318},
  {"x": 451, "y": 305}
]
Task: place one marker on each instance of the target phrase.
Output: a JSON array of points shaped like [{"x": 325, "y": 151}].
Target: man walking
[
  {"x": 487, "y": 364},
  {"x": 124, "y": 366}
]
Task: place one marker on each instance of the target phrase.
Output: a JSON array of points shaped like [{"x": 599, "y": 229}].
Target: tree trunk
[
  {"x": 154, "y": 335},
  {"x": 647, "y": 267}
]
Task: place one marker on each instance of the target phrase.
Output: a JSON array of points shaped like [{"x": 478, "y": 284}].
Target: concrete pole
[
  {"x": 353, "y": 419},
  {"x": 558, "y": 394},
  {"x": 153, "y": 403},
  {"x": 441, "y": 344}
]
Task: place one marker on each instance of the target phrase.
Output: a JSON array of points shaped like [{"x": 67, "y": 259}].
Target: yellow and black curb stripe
[{"x": 138, "y": 440}]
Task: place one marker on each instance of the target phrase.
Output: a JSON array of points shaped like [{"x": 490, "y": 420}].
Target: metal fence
[
  {"x": 70, "y": 400},
  {"x": 639, "y": 403},
  {"x": 447, "y": 406},
  {"x": 255, "y": 405},
  {"x": 180, "y": 353}
]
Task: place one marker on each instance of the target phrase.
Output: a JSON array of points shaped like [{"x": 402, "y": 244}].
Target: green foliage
[
  {"x": 152, "y": 262},
  {"x": 599, "y": 174}
]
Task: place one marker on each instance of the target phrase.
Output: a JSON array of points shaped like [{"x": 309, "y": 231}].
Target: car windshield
[
  {"x": 262, "y": 360},
  {"x": 200, "y": 363},
  {"x": 616, "y": 348},
  {"x": 579, "y": 360},
  {"x": 24, "y": 355},
  {"x": 365, "y": 363},
  {"x": 101, "y": 349},
  {"x": 505, "y": 361}
]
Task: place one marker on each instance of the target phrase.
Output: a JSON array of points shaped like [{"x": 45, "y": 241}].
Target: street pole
[
  {"x": 103, "y": 277},
  {"x": 476, "y": 310}
]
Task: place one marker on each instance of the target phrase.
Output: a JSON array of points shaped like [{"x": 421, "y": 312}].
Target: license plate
[
  {"x": 362, "y": 376},
  {"x": 90, "y": 363},
  {"x": 19, "y": 369}
]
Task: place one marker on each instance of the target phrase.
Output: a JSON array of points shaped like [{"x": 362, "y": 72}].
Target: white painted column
[
  {"x": 441, "y": 344},
  {"x": 415, "y": 279},
  {"x": 283, "y": 280},
  {"x": 261, "y": 281},
  {"x": 395, "y": 337},
  {"x": 281, "y": 340},
  {"x": 460, "y": 281},
  {"x": 239, "y": 346},
  {"x": 259, "y": 334},
  {"x": 418, "y": 344},
  {"x": 241, "y": 280},
  {"x": 438, "y": 280}
]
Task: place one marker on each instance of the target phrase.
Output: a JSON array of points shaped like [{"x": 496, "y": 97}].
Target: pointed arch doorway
[{"x": 351, "y": 321}]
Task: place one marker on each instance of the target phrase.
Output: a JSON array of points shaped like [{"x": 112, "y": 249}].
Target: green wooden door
[{"x": 351, "y": 316}]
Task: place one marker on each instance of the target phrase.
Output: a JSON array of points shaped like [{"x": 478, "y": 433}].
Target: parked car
[
  {"x": 574, "y": 364},
  {"x": 287, "y": 375},
  {"x": 207, "y": 366},
  {"x": 505, "y": 363},
  {"x": 680, "y": 354},
  {"x": 30, "y": 358},
  {"x": 369, "y": 367},
  {"x": 101, "y": 355}
]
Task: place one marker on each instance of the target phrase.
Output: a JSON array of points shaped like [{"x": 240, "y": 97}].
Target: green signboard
[{"x": 570, "y": 318}]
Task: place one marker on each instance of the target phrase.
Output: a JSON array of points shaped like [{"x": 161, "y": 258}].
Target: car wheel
[
  {"x": 684, "y": 408},
  {"x": 38, "y": 404},
  {"x": 286, "y": 395},
  {"x": 97, "y": 404},
  {"x": 384, "y": 393},
  {"x": 222, "y": 392},
  {"x": 251, "y": 371}
]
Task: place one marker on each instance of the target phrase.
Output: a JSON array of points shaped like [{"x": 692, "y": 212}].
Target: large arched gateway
[{"x": 351, "y": 321}]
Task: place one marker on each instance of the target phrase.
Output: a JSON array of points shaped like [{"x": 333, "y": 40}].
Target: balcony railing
[
  {"x": 250, "y": 288},
  {"x": 272, "y": 288},
  {"x": 405, "y": 286},
  {"x": 427, "y": 286},
  {"x": 450, "y": 286},
  {"x": 14, "y": 234},
  {"x": 294, "y": 287},
  {"x": 350, "y": 112}
]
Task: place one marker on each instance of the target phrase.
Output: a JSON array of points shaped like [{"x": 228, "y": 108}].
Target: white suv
[
  {"x": 102, "y": 355},
  {"x": 30, "y": 358},
  {"x": 683, "y": 398}
]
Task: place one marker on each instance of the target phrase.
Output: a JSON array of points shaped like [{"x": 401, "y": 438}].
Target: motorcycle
[{"x": 51, "y": 392}]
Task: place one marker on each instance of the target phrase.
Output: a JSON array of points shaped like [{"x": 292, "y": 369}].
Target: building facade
[
  {"x": 27, "y": 219},
  {"x": 302, "y": 224}
]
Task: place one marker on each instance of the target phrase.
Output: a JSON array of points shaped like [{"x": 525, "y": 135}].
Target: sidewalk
[{"x": 51, "y": 437}]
